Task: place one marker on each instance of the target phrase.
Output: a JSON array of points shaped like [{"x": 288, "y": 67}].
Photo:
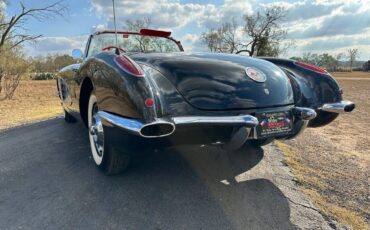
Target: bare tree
[
  {"x": 16, "y": 66},
  {"x": 261, "y": 34},
  {"x": 12, "y": 30},
  {"x": 12, "y": 35},
  {"x": 224, "y": 39},
  {"x": 212, "y": 40},
  {"x": 264, "y": 30},
  {"x": 339, "y": 56},
  {"x": 352, "y": 55},
  {"x": 135, "y": 26},
  {"x": 138, "y": 24}
]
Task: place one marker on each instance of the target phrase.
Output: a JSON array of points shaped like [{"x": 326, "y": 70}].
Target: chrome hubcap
[{"x": 97, "y": 131}]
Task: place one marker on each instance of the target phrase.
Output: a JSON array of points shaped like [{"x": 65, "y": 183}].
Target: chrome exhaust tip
[
  {"x": 339, "y": 107},
  {"x": 157, "y": 129},
  {"x": 349, "y": 108}
]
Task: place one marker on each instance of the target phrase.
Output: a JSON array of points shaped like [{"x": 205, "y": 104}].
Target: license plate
[{"x": 274, "y": 123}]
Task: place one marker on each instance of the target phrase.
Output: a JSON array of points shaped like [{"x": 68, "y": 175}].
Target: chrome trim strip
[
  {"x": 338, "y": 107},
  {"x": 132, "y": 125},
  {"x": 245, "y": 120}
]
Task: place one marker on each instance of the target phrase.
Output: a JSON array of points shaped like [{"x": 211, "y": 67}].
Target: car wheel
[
  {"x": 68, "y": 117},
  {"x": 260, "y": 142},
  {"x": 106, "y": 158}
]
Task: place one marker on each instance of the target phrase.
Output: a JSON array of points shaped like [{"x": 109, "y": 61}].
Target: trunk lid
[{"x": 211, "y": 81}]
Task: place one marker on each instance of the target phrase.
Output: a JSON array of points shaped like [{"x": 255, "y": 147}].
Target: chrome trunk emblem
[{"x": 255, "y": 74}]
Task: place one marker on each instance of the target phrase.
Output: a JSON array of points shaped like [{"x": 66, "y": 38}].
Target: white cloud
[
  {"x": 2, "y": 7},
  {"x": 60, "y": 45},
  {"x": 191, "y": 42},
  {"x": 164, "y": 13},
  {"x": 99, "y": 27},
  {"x": 315, "y": 25},
  {"x": 171, "y": 13}
]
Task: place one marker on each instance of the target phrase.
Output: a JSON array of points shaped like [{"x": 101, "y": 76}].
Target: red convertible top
[{"x": 144, "y": 32}]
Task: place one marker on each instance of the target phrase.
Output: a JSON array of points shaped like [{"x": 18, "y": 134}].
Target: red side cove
[
  {"x": 311, "y": 67},
  {"x": 130, "y": 66}
]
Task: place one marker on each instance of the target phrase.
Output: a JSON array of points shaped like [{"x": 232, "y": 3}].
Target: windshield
[{"x": 133, "y": 43}]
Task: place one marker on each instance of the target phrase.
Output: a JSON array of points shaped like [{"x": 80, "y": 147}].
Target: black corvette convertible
[{"x": 140, "y": 89}]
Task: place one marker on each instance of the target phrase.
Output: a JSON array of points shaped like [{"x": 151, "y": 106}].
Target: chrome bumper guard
[
  {"x": 338, "y": 107},
  {"x": 304, "y": 113}
]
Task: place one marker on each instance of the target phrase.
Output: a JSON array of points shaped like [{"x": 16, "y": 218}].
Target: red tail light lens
[
  {"x": 130, "y": 66},
  {"x": 149, "y": 102},
  {"x": 311, "y": 67}
]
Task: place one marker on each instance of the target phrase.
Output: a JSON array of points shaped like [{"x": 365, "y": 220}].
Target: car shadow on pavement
[{"x": 48, "y": 180}]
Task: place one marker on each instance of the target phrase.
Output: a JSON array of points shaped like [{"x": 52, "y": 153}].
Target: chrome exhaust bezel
[{"x": 133, "y": 126}]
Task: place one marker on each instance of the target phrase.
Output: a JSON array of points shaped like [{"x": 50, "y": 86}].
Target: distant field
[
  {"x": 355, "y": 74},
  {"x": 33, "y": 100},
  {"x": 333, "y": 162}
]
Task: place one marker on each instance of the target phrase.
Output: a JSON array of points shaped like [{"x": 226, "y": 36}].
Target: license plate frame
[{"x": 273, "y": 124}]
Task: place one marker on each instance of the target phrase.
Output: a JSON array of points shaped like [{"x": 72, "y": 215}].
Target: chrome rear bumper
[
  {"x": 162, "y": 128},
  {"x": 244, "y": 120},
  {"x": 338, "y": 107},
  {"x": 165, "y": 127}
]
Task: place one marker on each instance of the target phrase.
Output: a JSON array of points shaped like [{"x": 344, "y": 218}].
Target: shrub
[{"x": 42, "y": 76}]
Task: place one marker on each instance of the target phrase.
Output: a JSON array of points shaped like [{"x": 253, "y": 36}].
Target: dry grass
[
  {"x": 310, "y": 181},
  {"x": 332, "y": 163},
  {"x": 33, "y": 100},
  {"x": 355, "y": 74}
]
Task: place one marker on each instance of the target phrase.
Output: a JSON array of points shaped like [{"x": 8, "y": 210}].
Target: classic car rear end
[{"x": 131, "y": 99}]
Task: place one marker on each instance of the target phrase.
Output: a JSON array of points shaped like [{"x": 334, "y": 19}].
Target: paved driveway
[{"x": 48, "y": 181}]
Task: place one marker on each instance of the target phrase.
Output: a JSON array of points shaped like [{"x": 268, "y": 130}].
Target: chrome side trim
[
  {"x": 338, "y": 107},
  {"x": 131, "y": 125},
  {"x": 244, "y": 120}
]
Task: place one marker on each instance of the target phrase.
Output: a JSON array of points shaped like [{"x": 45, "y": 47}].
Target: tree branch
[{"x": 57, "y": 8}]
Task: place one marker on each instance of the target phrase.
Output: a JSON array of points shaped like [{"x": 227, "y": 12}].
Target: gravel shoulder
[{"x": 332, "y": 163}]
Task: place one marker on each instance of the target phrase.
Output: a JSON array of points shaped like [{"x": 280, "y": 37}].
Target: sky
[{"x": 317, "y": 26}]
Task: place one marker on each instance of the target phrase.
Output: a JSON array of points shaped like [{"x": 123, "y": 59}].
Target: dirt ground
[
  {"x": 332, "y": 163},
  {"x": 33, "y": 100}
]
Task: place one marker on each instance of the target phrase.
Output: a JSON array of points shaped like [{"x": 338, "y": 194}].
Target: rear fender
[
  {"x": 311, "y": 89},
  {"x": 117, "y": 91},
  {"x": 168, "y": 100}
]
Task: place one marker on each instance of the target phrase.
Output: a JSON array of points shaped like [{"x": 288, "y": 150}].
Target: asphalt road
[{"x": 48, "y": 181}]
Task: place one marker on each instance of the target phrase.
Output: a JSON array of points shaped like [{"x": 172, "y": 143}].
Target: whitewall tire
[{"x": 109, "y": 160}]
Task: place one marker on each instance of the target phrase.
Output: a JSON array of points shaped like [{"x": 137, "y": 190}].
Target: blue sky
[
  {"x": 78, "y": 21},
  {"x": 313, "y": 25}
]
